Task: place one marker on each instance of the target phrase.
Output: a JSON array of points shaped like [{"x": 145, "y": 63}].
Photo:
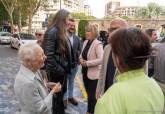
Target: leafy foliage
[
  {"x": 81, "y": 28},
  {"x": 23, "y": 19},
  {"x": 152, "y": 11},
  {"x": 9, "y": 8},
  {"x": 108, "y": 17},
  {"x": 124, "y": 17},
  {"x": 3, "y": 13},
  {"x": 21, "y": 5},
  {"x": 142, "y": 13},
  {"x": 81, "y": 16}
]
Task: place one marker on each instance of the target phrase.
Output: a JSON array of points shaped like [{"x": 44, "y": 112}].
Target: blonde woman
[{"x": 91, "y": 59}]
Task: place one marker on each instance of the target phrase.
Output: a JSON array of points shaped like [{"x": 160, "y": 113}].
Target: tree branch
[
  {"x": 37, "y": 6},
  {"x": 8, "y": 8},
  {"x": 5, "y": 4}
]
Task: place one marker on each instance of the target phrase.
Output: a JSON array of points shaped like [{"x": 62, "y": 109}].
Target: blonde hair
[{"x": 92, "y": 28}]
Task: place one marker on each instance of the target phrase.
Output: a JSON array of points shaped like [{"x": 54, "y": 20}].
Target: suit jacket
[
  {"x": 32, "y": 93},
  {"x": 159, "y": 63},
  {"x": 94, "y": 59},
  {"x": 76, "y": 49},
  {"x": 102, "y": 75}
]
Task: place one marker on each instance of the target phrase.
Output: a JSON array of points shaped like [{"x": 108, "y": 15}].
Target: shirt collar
[
  {"x": 29, "y": 74},
  {"x": 130, "y": 75},
  {"x": 71, "y": 36}
]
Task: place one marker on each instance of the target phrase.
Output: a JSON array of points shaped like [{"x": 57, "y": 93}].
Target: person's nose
[{"x": 45, "y": 57}]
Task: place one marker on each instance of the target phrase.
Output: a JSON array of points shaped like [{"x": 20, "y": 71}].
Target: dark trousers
[
  {"x": 150, "y": 72},
  {"x": 58, "y": 105},
  {"x": 90, "y": 86}
]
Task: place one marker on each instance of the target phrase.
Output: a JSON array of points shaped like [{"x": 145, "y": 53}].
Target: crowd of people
[{"x": 122, "y": 69}]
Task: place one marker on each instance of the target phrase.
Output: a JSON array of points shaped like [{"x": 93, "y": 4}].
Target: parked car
[
  {"x": 19, "y": 39},
  {"x": 5, "y": 37}
]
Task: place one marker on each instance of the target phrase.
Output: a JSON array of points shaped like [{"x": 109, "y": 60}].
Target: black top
[
  {"x": 110, "y": 72},
  {"x": 84, "y": 55}
]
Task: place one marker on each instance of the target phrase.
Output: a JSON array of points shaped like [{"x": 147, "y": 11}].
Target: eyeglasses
[{"x": 38, "y": 34}]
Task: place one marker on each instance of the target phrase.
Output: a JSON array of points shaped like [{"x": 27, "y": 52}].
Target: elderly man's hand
[{"x": 50, "y": 85}]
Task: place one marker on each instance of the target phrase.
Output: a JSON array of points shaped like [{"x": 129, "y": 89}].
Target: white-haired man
[
  {"x": 39, "y": 36},
  {"x": 30, "y": 89}
]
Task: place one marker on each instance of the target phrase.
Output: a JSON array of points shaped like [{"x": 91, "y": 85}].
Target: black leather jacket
[{"x": 56, "y": 61}]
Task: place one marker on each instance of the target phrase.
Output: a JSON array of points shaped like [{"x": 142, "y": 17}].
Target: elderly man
[
  {"x": 108, "y": 69},
  {"x": 39, "y": 36},
  {"x": 30, "y": 88}
]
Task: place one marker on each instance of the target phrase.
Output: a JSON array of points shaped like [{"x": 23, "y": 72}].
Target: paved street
[{"x": 9, "y": 66}]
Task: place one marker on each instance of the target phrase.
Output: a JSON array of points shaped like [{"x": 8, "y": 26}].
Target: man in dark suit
[
  {"x": 75, "y": 49},
  {"x": 153, "y": 37}
]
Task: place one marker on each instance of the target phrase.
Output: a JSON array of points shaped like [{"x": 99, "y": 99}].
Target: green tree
[
  {"x": 124, "y": 17},
  {"x": 20, "y": 13},
  {"x": 108, "y": 17},
  {"x": 163, "y": 11},
  {"x": 4, "y": 17},
  {"x": 81, "y": 16},
  {"x": 33, "y": 6},
  {"x": 3, "y": 13},
  {"x": 91, "y": 17},
  {"x": 158, "y": 11},
  {"x": 81, "y": 28},
  {"x": 9, "y": 7},
  {"x": 142, "y": 13},
  {"x": 152, "y": 11}
]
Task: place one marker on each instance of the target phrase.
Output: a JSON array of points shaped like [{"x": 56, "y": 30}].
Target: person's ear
[{"x": 28, "y": 62}]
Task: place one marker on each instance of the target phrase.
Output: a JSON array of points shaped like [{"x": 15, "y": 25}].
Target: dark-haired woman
[
  {"x": 134, "y": 92},
  {"x": 57, "y": 64}
]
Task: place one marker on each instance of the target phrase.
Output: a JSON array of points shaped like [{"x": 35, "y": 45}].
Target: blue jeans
[{"x": 70, "y": 83}]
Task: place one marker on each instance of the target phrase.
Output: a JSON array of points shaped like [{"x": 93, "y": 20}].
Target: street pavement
[{"x": 9, "y": 66}]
